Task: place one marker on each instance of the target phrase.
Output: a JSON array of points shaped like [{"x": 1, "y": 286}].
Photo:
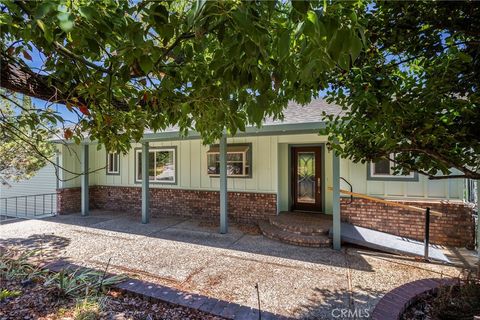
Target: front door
[{"x": 306, "y": 179}]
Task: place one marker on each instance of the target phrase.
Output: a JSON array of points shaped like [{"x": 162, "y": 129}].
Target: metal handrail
[
  {"x": 351, "y": 189},
  {"x": 22, "y": 203}
]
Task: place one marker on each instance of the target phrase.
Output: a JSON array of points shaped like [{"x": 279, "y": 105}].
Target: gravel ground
[{"x": 307, "y": 283}]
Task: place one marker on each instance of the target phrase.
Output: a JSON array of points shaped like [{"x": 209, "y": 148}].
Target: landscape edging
[{"x": 393, "y": 304}]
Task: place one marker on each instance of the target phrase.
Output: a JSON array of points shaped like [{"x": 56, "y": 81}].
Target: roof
[
  {"x": 312, "y": 112},
  {"x": 294, "y": 113},
  {"x": 297, "y": 118}
]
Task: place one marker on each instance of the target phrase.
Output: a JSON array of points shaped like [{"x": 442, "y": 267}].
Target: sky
[{"x": 36, "y": 64}]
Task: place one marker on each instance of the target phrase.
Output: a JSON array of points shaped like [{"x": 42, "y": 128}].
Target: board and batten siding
[
  {"x": 69, "y": 157},
  {"x": 191, "y": 158},
  {"x": 270, "y": 171},
  {"x": 424, "y": 188}
]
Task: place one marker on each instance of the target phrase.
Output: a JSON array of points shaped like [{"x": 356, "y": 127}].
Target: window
[
  {"x": 162, "y": 166},
  {"x": 383, "y": 170},
  {"x": 238, "y": 160},
  {"x": 113, "y": 163}
]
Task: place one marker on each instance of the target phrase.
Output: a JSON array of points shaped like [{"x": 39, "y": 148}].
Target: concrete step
[
  {"x": 276, "y": 233},
  {"x": 308, "y": 224}
]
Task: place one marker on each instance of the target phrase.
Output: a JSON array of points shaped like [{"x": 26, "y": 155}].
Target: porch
[{"x": 323, "y": 194}]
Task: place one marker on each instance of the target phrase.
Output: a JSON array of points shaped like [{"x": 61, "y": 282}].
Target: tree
[
  {"x": 208, "y": 66},
  {"x": 413, "y": 96},
  {"x": 24, "y": 149}
]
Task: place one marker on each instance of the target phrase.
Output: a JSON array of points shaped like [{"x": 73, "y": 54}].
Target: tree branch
[{"x": 19, "y": 79}]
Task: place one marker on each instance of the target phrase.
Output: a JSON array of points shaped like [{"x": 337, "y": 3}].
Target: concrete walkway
[{"x": 189, "y": 255}]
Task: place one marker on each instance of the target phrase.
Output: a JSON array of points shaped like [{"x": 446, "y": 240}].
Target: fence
[{"x": 28, "y": 206}]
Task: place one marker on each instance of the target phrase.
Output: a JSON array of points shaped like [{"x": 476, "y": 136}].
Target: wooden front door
[{"x": 306, "y": 179}]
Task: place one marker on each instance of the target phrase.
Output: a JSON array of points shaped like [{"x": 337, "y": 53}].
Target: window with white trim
[
  {"x": 161, "y": 165},
  {"x": 238, "y": 161},
  {"x": 384, "y": 169},
  {"x": 113, "y": 163}
]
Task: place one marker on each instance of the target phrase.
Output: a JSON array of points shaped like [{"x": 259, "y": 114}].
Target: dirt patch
[
  {"x": 460, "y": 302},
  {"x": 33, "y": 300}
]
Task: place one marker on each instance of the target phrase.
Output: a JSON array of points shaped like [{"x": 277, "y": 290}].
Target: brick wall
[
  {"x": 242, "y": 206},
  {"x": 455, "y": 227},
  {"x": 68, "y": 200}
]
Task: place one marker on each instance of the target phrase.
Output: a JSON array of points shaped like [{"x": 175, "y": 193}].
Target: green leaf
[
  {"x": 42, "y": 10},
  {"x": 160, "y": 14},
  {"x": 66, "y": 21},
  {"x": 146, "y": 64},
  {"x": 86, "y": 12},
  {"x": 312, "y": 17},
  {"x": 284, "y": 44},
  {"x": 66, "y": 25},
  {"x": 344, "y": 61},
  {"x": 301, "y": 6},
  {"x": 63, "y": 16},
  {"x": 47, "y": 33},
  {"x": 355, "y": 48},
  {"x": 465, "y": 57}
]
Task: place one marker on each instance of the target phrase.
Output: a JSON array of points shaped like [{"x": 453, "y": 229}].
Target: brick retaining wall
[
  {"x": 243, "y": 207},
  {"x": 455, "y": 227}
]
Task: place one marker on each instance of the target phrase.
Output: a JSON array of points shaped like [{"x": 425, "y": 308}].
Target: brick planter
[
  {"x": 455, "y": 228},
  {"x": 395, "y": 302}
]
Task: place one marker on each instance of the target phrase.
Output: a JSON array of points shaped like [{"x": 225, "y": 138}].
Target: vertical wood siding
[{"x": 270, "y": 171}]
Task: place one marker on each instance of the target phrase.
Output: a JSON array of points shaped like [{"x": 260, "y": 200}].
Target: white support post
[
  {"x": 84, "y": 180},
  {"x": 337, "y": 240},
  {"x": 223, "y": 185},
  {"x": 145, "y": 184}
]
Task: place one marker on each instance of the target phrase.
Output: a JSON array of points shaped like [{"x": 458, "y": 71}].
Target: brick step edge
[
  {"x": 217, "y": 307},
  {"x": 275, "y": 233},
  {"x": 393, "y": 304},
  {"x": 301, "y": 230}
]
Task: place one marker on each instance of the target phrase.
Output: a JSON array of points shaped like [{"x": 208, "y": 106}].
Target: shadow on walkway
[
  {"x": 204, "y": 233},
  {"x": 341, "y": 304},
  {"x": 48, "y": 246}
]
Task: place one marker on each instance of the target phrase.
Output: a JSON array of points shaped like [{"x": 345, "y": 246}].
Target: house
[
  {"x": 32, "y": 197},
  {"x": 283, "y": 166}
]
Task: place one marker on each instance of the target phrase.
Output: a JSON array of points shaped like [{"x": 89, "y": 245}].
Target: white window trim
[
  {"x": 240, "y": 148},
  {"x": 117, "y": 157},
  {"x": 412, "y": 174},
  {"x": 391, "y": 175},
  {"x": 157, "y": 149}
]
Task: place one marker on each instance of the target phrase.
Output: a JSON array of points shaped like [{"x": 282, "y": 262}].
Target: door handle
[{"x": 319, "y": 189}]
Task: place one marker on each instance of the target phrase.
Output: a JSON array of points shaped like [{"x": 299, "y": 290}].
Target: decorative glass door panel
[{"x": 306, "y": 179}]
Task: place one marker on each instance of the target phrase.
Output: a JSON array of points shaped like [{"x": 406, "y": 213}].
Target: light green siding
[
  {"x": 192, "y": 166},
  {"x": 69, "y": 158},
  {"x": 270, "y": 171},
  {"x": 356, "y": 174}
]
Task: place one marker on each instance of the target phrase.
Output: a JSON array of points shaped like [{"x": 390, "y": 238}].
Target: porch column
[
  {"x": 84, "y": 180},
  {"x": 145, "y": 184},
  {"x": 223, "y": 185},
  {"x": 336, "y": 202}
]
